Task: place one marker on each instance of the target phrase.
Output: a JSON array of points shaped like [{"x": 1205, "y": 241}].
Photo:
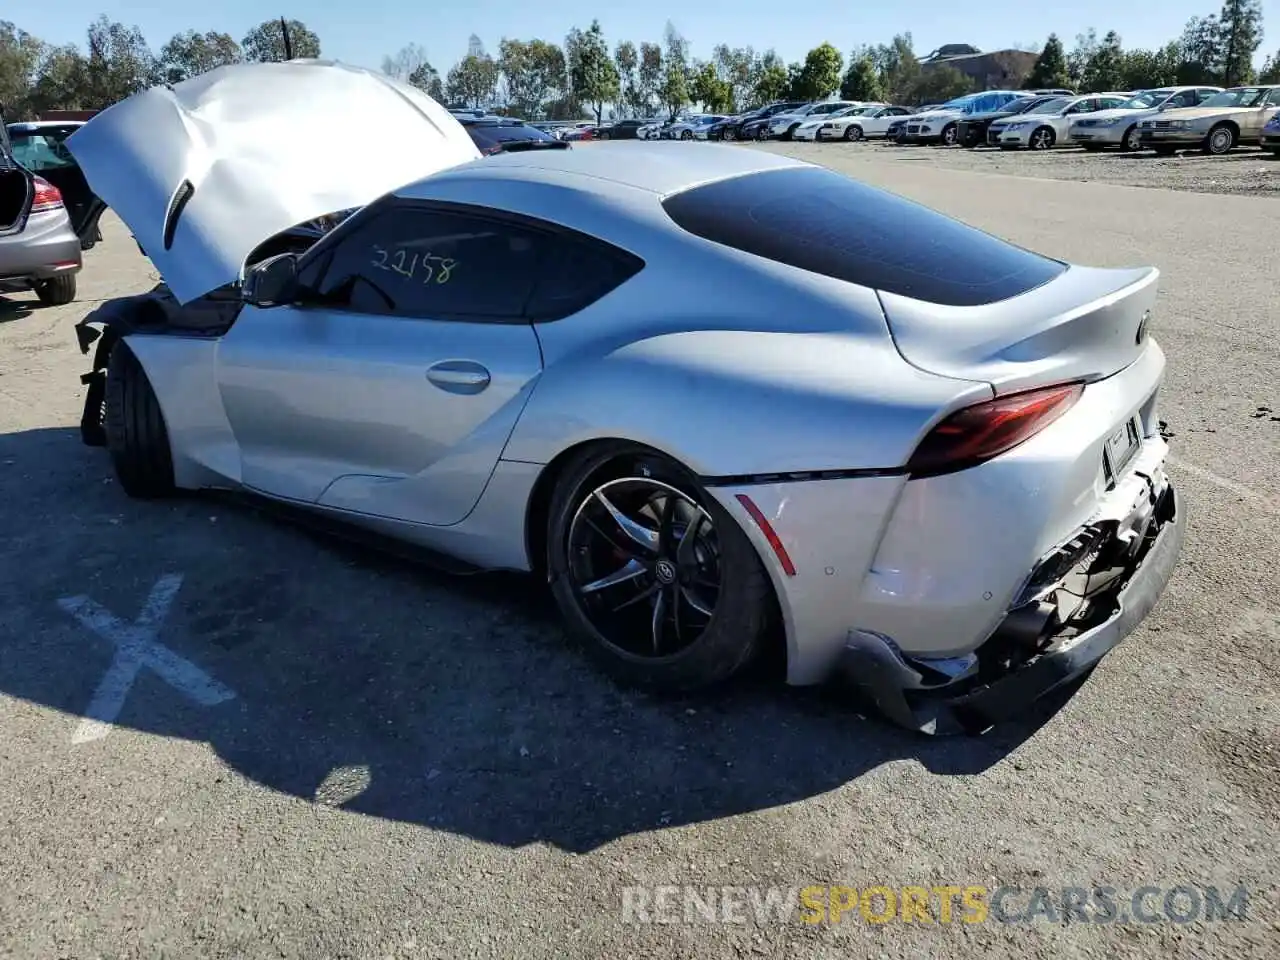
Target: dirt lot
[
  {"x": 356, "y": 758},
  {"x": 1246, "y": 172}
]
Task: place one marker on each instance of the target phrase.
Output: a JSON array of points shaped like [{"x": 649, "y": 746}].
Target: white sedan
[
  {"x": 863, "y": 123},
  {"x": 1049, "y": 124},
  {"x": 809, "y": 129}
]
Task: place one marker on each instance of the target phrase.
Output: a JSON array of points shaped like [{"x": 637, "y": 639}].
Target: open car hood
[{"x": 205, "y": 170}]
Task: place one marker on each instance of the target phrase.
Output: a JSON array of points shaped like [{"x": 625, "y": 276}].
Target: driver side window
[{"x": 416, "y": 262}]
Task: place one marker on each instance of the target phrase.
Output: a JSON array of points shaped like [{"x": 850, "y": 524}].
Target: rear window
[
  {"x": 491, "y": 133},
  {"x": 816, "y": 220}
]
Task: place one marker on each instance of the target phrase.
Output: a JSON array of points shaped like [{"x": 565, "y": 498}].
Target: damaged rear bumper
[{"x": 965, "y": 695}]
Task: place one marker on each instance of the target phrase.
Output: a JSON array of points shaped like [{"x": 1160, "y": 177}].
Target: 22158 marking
[{"x": 407, "y": 264}]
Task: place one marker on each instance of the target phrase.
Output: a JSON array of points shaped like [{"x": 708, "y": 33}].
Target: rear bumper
[
  {"x": 45, "y": 249},
  {"x": 919, "y": 698},
  {"x": 1270, "y": 141}
]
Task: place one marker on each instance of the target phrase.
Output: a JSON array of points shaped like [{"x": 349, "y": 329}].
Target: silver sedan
[{"x": 913, "y": 455}]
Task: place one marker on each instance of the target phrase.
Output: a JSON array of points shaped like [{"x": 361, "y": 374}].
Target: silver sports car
[{"x": 923, "y": 459}]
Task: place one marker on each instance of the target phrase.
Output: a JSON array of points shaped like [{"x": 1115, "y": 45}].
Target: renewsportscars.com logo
[{"x": 934, "y": 904}]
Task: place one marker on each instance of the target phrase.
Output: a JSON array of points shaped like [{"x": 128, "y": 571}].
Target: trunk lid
[
  {"x": 1086, "y": 324},
  {"x": 205, "y": 170}
]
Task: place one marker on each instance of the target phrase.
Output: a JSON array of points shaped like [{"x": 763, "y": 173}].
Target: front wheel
[
  {"x": 1221, "y": 140},
  {"x": 58, "y": 291},
  {"x": 1132, "y": 140},
  {"x": 652, "y": 574},
  {"x": 1042, "y": 138},
  {"x": 135, "y": 430},
  {"x": 949, "y": 133},
  {"x": 686, "y": 134},
  {"x": 853, "y": 133}
]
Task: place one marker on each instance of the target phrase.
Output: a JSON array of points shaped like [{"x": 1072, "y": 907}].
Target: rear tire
[
  {"x": 58, "y": 291},
  {"x": 719, "y": 551},
  {"x": 137, "y": 439}
]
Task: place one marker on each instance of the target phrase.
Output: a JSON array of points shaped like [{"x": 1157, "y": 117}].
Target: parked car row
[{"x": 1163, "y": 119}]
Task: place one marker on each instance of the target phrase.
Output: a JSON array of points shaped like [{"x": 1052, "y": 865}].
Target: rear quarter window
[{"x": 816, "y": 220}]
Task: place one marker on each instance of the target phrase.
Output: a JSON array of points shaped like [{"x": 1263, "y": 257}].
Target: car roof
[{"x": 651, "y": 167}]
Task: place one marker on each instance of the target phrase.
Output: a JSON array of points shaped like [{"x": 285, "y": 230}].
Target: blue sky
[{"x": 364, "y": 31}]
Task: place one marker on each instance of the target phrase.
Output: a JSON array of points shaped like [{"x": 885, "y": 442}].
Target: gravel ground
[
  {"x": 1247, "y": 172},
  {"x": 416, "y": 766}
]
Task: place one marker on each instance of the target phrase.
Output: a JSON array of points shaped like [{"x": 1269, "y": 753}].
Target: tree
[
  {"x": 627, "y": 61},
  {"x": 899, "y": 68},
  {"x": 592, "y": 75},
  {"x": 427, "y": 79},
  {"x": 190, "y": 54},
  {"x": 119, "y": 64},
  {"x": 674, "y": 91},
  {"x": 1271, "y": 69},
  {"x": 706, "y": 87},
  {"x": 735, "y": 69},
  {"x": 940, "y": 84},
  {"x": 1050, "y": 70},
  {"x": 820, "y": 75},
  {"x": 20, "y": 56},
  {"x": 1145, "y": 69},
  {"x": 61, "y": 80},
  {"x": 1079, "y": 57},
  {"x": 770, "y": 79},
  {"x": 862, "y": 81},
  {"x": 406, "y": 60},
  {"x": 472, "y": 81},
  {"x": 1240, "y": 23},
  {"x": 1104, "y": 69},
  {"x": 265, "y": 42},
  {"x": 533, "y": 72},
  {"x": 649, "y": 82},
  {"x": 1201, "y": 45}
]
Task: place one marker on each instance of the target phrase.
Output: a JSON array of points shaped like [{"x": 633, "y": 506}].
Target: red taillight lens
[
  {"x": 47, "y": 197},
  {"x": 990, "y": 428}
]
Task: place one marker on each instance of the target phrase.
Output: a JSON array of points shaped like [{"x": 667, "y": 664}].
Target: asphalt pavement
[{"x": 317, "y": 752}]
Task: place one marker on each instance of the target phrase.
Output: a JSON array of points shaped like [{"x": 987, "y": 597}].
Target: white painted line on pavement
[{"x": 137, "y": 647}]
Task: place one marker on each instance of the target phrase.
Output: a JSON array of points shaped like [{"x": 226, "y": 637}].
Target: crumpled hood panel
[{"x": 264, "y": 146}]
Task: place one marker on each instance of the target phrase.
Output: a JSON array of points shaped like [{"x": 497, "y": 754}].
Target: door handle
[{"x": 459, "y": 376}]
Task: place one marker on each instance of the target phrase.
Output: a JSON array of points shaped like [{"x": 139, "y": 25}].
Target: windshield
[
  {"x": 1050, "y": 106},
  {"x": 1239, "y": 97},
  {"x": 1146, "y": 100},
  {"x": 960, "y": 103},
  {"x": 42, "y": 148}
]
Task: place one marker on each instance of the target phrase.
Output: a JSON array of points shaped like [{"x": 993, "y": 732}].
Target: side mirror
[{"x": 272, "y": 282}]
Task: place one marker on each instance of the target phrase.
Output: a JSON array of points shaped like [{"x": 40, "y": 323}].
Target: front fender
[{"x": 729, "y": 403}]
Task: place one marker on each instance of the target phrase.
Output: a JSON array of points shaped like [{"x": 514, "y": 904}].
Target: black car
[
  {"x": 507, "y": 136},
  {"x": 971, "y": 131},
  {"x": 622, "y": 130},
  {"x": 736, "y": 128}
]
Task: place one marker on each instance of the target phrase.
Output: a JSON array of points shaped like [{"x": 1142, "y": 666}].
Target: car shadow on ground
[
  {"x": 376, "y": 686},
  {"x": 11, "y": 309}
]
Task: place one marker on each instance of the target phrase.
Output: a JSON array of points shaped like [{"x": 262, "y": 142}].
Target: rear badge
[{"x": 1142, "y": 328}]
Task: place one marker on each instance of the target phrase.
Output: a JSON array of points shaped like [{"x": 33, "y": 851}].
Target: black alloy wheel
[
  {"x": 637, "y": 542},
  {"x": 654, "y": 577}
]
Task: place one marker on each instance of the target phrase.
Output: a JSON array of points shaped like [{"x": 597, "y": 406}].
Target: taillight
[
  {"x": 988, "y": 429},
  {"x": 47, "y": 197}
]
